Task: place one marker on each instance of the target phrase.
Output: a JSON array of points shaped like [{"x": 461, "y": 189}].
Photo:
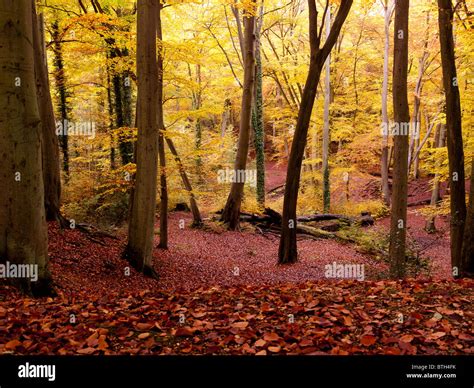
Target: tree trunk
[
  {"x": 139, "y": 250},
  {"x": 23, "y": 228},
  {"x": 398, "y": 225},
  {"x": 49, "y": 144},
  {"x": 468, "y": 245},
  {"x": 161, "y": 142},
  {"x": 231, "y": 211},
  {"x": 454, "y": 133},
  {"x": 384, "y": 162},
  {"x": 60, "y": 79},
  {"x": 287, "y": 252},
  {"x": 435, "y": 193},
  {"x": 326, "y": 130},
  {"x": 257, "y": 116},
  {"x": 197, "y": 220}
]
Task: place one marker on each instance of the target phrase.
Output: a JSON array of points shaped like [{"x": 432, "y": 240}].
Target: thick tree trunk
[
  {"x": 454, "y": 133},
  {"x": 23, "y": 228},
  {"x": 49, "y": 144},
  {"x": 139, "y": 250},
  {"x": 161, "y": 142},
  {"x": 231, "y": 211},
  {"x": 398, "y": 224},
  {"x": 468, "y": 245},
  {"x": 287, "y": 252},
  {"x": 384, "y": 162}
]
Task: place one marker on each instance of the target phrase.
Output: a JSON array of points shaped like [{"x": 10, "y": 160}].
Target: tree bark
[
  {"x": 468, "y": 245},
  {"x": 60, "y": 79},
  {"x": 231, "y": 211},
  {"x": 326, "y": 129},
  {"x": 287, "y": 252},
  {"x": 398, "y": 224},
  {"x": 197, "y": 220},
  {"x": 139, "y": 250},
  {"x": 49, "y": 144},
  {"x": 23, "y": 228},
  {"x": 384, "y": 162},
  {"x": 161, "y": 142},
  {"x": 257, "y": 115},
  {"x": 454, "y": 133}
]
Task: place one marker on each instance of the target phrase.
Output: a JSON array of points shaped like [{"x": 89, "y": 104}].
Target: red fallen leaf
[
  {"x": 271, "y": 337},
  {"x": 143, "y": 335},
  {"x": 367, "y": 340},
  {"x": 389, "y": 340},
  {"x": 240, "y": 325},
  {"x": 86, "y": 351},
  {"x": 247, "y": 349},
  {"x": 274, "y": 349},
  {"x": 92, "y": 340},
  {"x": 436, "y": 335},
  {"x": 261, "y": 353},
  {"x": 103, "y": 345},
  {"x": 187, "y": 350},
  {"x": 198, "y": 314},
  {"x": 184, "y": 332},
  {"x": 407, "y": 338},
  {"x": 12, "y": 345},
  {"x": 347, "y": 320},
  {"x": 392, "y": 351},
  {"x": 145, "y": 326},
  {"x": 260, "y": 343},
  {"x": 465, "y": 337},
  {"x": 306, "y": 342}
]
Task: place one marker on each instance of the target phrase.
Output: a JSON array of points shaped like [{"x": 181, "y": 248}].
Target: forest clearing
[{"x": 237, "y": 177}]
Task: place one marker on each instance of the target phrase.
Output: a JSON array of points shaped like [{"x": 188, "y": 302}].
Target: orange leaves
[{"x": 367, "y": 340}]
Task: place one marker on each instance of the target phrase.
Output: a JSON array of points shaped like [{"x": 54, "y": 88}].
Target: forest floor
[{"x": 222, "y": 292}]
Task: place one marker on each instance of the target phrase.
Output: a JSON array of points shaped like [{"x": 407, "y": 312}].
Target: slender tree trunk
[
  {"x": 257, "y": 115},
  {"x": 454, "y": 133},
  {"x": 60, "y": 78},
  {"x": 161, "y": 143},
  {"x": 326, "y": 129},
  {"x": 287, "y": 252},
  {"x": 226, "y": 116},
  {"x": 197, "y": 220},
  {"x": 384, "y": 163},
  {"x": 139, "y": 250},
  {"x": 231, "y": 213},
  {"x": 398, "y": 224},
  {"x": 111, "y": 114},
  {"x": 435, "y": 193},
  {"x": 23, "y": 228},
  {"x": 49, "y": 144}
]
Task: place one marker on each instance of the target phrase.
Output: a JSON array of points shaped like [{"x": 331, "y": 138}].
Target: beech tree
[
  {"x": 287, "y": 252},
  {"x": 49, "y": 143},
  {"x": 401, "y": 113},
  {"x": 23, "y": 228},
  {"x": 139, "y": 250},
  {"x": 231, "y": 212},
  {"x": 454, "y": 133}
]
